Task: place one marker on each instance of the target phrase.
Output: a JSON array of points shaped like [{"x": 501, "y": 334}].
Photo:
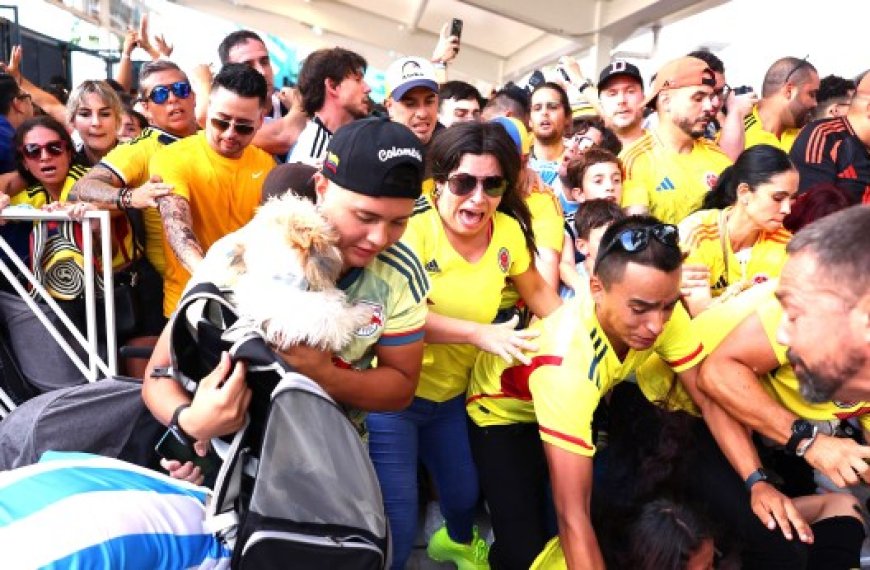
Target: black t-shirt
[{"x": 829, "y": 151}]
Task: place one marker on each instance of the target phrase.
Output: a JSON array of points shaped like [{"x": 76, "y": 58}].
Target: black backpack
[{"x": 297, "y": 488}]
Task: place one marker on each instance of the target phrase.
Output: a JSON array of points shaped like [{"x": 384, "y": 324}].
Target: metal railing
[{"x": 89, "y": 342}]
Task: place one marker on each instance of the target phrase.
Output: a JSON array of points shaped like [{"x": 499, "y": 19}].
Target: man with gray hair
[{"x": 825, "y": 293}]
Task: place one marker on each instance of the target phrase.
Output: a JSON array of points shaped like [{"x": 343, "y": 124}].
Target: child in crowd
[
  {"x": 665, "y": 535},
  {"x": 595, "y": 175},
  {"x": 588, "y": 225}
]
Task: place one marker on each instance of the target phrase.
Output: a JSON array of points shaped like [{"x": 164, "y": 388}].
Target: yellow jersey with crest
[
  {"x": 547, "y": 225},
  {"x": 223, "y": 194},
  {"x": 670, "y": 184},
  {"x": 461, "y": 289},
  {"x": 574, "y": 366},
  {"x": 129, "y": 162},
  {"x": 701, "y": 238}
]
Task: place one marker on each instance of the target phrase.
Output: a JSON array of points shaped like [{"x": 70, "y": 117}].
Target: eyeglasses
[
  {"x": 581, "y": 142},
  {"x": 33, "y": 151},
  {"x": 637, "y": 239},
  {"x": 464, "y": 184},
  {"x": 802, "y": 63},
  {"x": 241, "y": 128},
  {"x": 160, "y": 94}
]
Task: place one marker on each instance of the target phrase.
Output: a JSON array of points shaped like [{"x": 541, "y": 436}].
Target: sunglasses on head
[
  {"x": 160, "y": 94},
  {"x": 802, "y": 63},
  {"x": 241, "y": 128},
  {"x": 464, "y": 184},
  {"x": 637, "y": 239},
  {"x": 33, "y": 151}
]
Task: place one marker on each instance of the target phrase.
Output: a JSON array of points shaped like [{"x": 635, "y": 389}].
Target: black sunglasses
[
  {"x": 802, "y": 63},
  {"x": 160, "y": 94},
  {"x": 637, "y": 239},
  {"x": 464, "y": 184},
  {"x": 33, "y": 151},
  {"x": 241, "y": 128}
]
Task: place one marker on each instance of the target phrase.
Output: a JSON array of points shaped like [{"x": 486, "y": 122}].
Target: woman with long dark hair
[
  {"x": 471, "y": 235},
  {"x": 737, "y": 239}
]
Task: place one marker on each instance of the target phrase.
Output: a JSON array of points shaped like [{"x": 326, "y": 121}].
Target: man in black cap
[
  {"x": 371, "y": 176},
  {"x": 620, "y": 91}
]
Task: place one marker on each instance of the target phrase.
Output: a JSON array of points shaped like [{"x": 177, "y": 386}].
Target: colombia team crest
[
  {"x": 377, "y": 322},
  {"x": 504, "y": 259},
  {"x": 711, "y": 178}
]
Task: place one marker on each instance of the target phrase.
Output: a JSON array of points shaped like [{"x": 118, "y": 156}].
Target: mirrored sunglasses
[{"x": 160, "y": 94}]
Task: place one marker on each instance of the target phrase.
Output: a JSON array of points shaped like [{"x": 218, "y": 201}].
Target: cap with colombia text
[{"x": 376, "y": 157}]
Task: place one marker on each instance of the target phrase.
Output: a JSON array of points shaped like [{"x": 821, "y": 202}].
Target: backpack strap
[
  {"x": 222, "y": 517},
  {"x": 217, "y": 312}
]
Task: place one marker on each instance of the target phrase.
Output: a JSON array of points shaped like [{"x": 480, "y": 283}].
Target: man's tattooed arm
[
  {"x": 99, "y": 186},
  {"x": 178, "y": 228}
]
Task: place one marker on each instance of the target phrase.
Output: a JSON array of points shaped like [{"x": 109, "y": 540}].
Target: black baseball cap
[
  {"x": 616, "y": 68},
  {"x": 376, "y": 157}
]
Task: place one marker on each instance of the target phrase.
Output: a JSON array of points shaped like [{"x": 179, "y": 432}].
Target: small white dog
[{"x": 287, "y": 263}]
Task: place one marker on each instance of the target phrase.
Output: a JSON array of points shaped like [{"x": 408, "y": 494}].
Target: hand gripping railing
[{"x": 95, "y": 364}]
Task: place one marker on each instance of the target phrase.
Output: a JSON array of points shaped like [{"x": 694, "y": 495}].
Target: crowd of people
[{"x": 631, "y": 318}]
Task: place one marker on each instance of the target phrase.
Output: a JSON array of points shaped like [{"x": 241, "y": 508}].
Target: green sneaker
[{"x": 466, "y": 556}]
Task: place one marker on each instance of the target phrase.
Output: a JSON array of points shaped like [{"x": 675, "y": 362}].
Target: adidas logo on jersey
[
  {"x": 432, "y": 266},
  {"x": 665, "y": 184}
]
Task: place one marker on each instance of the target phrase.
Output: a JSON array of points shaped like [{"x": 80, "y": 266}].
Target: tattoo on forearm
[
  {"x": 98, "y": 187},
  {"x": 178, "y": 228}
]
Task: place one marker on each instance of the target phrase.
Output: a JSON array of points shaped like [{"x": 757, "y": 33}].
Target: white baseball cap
[{"x": 408, "y": 72}]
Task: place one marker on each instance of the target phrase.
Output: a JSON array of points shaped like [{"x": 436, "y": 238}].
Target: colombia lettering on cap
[{"x": 376, "y": 157}]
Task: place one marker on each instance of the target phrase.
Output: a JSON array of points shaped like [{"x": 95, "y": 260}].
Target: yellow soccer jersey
[
  {"x": 547, "y": 225},
  {"x": 460, "y": 289},
  {"x": 656, "y": 380},
  {"x": 702, "y": 241},
  {"x": 782, "y": 383},
  {"x": 223, "y": 194},
  {"x": 573, "y": 367},
  {"x": 755, "y": 133},
  {"x": 129, "y": 161},
  {"x": 122, "y": 235},
  {"x": 670, "y": 184}
]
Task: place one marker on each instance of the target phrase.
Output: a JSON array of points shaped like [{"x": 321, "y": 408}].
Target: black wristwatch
[
  {"x": 759, "y": 474},
  {"x": 800, "y": 430},
  {"x": 176, "y": 428}
]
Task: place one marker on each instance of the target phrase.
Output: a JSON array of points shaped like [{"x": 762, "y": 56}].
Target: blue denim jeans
[{"x": 437, "y": 434}]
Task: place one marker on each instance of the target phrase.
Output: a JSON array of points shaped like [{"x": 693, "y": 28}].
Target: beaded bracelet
[{"x": 124, "y": 200}]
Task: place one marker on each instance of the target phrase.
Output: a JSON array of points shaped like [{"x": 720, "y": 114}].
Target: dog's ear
[
  {"x": 321, "y": 260},
  {"x": 237, "y": 259}
]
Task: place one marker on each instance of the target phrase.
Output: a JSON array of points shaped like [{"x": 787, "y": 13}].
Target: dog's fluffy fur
[{"x": 287, "y": 262}]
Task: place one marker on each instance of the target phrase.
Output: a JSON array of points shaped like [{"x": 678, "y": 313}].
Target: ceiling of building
[{"x": 501, "y": 39}]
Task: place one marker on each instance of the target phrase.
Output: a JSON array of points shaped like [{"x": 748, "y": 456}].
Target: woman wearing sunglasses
[
  {"x": 94, "y": 114},
  {"x": 471, "y": 235},
  {"x": 738, "y": 239},
  {"x": 46, "y": 162}
]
